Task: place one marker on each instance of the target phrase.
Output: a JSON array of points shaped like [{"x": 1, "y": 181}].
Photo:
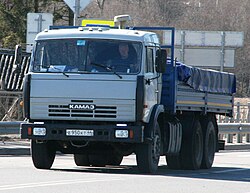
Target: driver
[{"x": 125, "y": 62}]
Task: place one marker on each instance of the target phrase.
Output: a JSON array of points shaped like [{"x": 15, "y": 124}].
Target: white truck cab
[{"x": 100, "y": 79}]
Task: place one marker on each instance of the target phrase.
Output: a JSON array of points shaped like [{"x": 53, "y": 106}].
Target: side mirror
[
  {"x": 18, "y": 58},
  {"x": 161, "y": 61}
]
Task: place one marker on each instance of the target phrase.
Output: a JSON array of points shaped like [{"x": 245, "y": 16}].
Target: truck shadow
[{"x": 215, "y": 173}]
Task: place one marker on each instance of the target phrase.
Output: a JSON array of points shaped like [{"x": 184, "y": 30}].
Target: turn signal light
[
  {"x": 131, "y": 134},
  {"x": 29, "y": 130}
]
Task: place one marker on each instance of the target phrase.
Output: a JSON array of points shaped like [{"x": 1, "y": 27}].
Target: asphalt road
[{"x": 230, "y": 174}]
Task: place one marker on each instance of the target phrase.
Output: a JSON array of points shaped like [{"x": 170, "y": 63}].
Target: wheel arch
[{"x": 155, "y": 115}]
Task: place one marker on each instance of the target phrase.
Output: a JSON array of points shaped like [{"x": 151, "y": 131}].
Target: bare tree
[{"x": 100, "y": 4}]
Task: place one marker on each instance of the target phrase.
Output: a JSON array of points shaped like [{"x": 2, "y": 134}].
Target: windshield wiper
[
  {"x": 107, "y": 68},
  {"x": 60, "y": 70},
  {"x": 65, "y": 74}
]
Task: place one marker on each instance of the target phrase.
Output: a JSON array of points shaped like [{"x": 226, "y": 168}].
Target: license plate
[{"x": 78, "y": 132}]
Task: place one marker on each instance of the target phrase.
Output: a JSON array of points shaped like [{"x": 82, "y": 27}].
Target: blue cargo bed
[{"x": 186, "y": 88}]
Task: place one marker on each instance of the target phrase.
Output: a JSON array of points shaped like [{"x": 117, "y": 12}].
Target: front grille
[{"x": 98, "y": 112}]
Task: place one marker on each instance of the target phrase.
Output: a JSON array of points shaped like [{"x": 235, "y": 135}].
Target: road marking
[
  {"x": 54, "y": 183},
  {"x": 231, "y": 170}
]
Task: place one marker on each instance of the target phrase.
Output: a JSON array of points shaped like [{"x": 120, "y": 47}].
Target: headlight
[
  {"x": 39, "y": 131},
  {"x": 121, "y": 133}
]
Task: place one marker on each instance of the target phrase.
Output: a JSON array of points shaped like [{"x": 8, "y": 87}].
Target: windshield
[{"x": 92, "y": 56}]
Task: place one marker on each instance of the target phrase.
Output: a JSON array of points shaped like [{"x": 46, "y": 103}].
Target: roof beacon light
[{"x": 120, "y": 20}]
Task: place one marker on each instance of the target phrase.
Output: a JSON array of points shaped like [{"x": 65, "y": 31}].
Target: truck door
[{"x": 151, "y": 86}]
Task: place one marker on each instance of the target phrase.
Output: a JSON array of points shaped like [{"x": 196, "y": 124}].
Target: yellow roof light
[{"x": 96, "y": 22}]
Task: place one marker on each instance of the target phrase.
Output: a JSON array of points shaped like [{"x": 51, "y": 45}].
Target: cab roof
[{"x": 99, "y": 33}]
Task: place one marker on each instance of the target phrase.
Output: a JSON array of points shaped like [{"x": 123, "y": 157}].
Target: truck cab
[{"x": 80, "y": 75}]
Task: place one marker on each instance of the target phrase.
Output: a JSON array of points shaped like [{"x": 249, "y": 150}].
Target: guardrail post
[
  {"x": 248, "y": 120},
  {"x": 219, "y": 119},
  {"x": 248, "y": 112},
  {"x": 248, "y": 138},
  {"x": 239, "y": 135},
  {"x": 229, "y": 138},
  {"x": 239, "y": 138}
]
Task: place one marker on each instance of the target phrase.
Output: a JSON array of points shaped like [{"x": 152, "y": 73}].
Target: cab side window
[{"x": 150, "y": 60}]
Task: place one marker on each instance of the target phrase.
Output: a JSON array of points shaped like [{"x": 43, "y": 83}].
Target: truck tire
[
  {"x": 43, "y": 154},
  {"x": 192, "y": 147},
  {"x": 173, "y": 162},
  {"x": 148, "y": 155},
  {"x": 81, "y": 159},
  {"x": 209, "y": 144}
]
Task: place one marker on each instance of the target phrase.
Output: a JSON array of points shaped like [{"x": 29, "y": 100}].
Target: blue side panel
[
  {"x": 197, "y": 81},
  {"x": 206, "y": 80},
  {"x": 168, "y": 95}
]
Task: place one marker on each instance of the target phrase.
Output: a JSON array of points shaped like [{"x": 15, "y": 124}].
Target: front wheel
[
  {"x": 148, "y": 155},
  {"x": 43, "y": 154}
]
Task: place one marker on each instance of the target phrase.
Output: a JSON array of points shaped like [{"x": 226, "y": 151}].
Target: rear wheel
[
  {"x": 81, "y": 159},
  {"x": 148, "y": 155},
  {"x": 209, "y": 144},
  {"x": 192, "y": 147},
  {"x": 43, "y": 154}
]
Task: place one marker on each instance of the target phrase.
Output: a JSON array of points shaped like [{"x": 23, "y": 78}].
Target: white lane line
[
  {"x": 231, "y": 170},
  {"x": 54, "y": 183}
]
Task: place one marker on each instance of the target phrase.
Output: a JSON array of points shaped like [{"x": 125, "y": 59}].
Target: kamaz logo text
[{"x": 82, "y": 106}]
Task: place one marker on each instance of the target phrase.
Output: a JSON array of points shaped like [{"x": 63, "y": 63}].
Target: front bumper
[{"x": 105, "y": 133}]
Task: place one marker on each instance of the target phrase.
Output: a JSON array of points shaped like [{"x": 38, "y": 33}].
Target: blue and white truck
[{"x": 80, "y": 99}]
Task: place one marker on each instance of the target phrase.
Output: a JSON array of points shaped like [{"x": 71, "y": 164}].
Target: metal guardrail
[
  {"x": 229, "y": 130},
  {"x": 10, "y": 127},
  {"x": 236, "y": 129}
]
